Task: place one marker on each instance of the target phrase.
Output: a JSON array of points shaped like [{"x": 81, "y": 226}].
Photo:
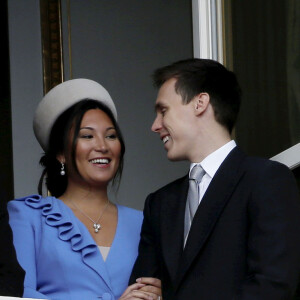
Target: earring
[{"x": 62, "y": 170}]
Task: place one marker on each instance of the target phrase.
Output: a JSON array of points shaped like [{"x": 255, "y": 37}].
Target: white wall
[
  {"x": 26, "y": 91},
  {"x": 119, "y": 44}
]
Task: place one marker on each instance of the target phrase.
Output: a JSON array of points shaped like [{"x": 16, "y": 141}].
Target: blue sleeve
[
  {"x": 32, "y": 293},
  {"x": 21, "y": 219}
]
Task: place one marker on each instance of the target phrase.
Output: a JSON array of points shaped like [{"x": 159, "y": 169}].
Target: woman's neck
[{"x": 94, "y": 196}]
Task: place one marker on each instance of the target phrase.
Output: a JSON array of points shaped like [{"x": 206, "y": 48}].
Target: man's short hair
[{"x": 195, "y": 76}]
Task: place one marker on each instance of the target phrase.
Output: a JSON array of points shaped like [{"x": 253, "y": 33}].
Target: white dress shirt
[{"x": 211, "y": 164}]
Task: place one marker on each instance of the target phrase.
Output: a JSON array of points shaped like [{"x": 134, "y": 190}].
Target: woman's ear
[
  {"x": 61, "y": 158},
  {"x": 201, "y": 103}
]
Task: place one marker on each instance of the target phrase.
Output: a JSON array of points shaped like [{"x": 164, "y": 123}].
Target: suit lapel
[
  {"x": 210, "y": 209},
  {"x": 172, "y": 220}
]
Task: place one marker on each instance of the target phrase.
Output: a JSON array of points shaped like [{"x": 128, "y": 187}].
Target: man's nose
[{"x": 157, "y": 124}]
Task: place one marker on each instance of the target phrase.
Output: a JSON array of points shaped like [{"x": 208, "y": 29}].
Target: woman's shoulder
[
  {"x": 130, "y": 211},
  {"x": 130, "y": 221},
  {"x": 30, "y": 204},
  {"x": 24, "y": 202},
  {"x": 131, "y": 214}
]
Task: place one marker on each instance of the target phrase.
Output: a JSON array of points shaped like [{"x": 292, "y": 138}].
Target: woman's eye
[
  {"x": 86, "y": 136},
  {"x": 112, "y": 136}
]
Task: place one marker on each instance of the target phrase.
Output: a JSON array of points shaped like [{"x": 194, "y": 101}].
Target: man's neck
[{"x": 208, "y": 147}]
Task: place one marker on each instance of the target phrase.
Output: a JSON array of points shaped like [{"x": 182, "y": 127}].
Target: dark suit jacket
[
  {"x": 244, "y": 241},
  {"x": 11, "y": 274}
]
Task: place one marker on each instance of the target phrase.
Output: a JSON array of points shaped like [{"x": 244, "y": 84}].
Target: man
[
  {"x": 11, "y": 274},
  {"x": 243, "y": 241}
]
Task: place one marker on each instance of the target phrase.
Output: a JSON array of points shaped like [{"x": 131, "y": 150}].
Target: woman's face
[{"x": 98, "y": 149}]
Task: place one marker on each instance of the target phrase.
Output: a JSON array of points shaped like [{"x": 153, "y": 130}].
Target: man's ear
[{"x": 201, "y": 103}]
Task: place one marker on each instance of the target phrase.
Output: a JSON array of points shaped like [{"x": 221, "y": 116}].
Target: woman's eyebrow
[
  {"x": 109, "y": 128},
  {"x": 87, "y": 127},
  {"x": 91, "y": 128}
]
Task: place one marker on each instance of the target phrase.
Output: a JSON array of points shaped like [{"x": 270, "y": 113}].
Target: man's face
[{"x": 174, "y": 122}]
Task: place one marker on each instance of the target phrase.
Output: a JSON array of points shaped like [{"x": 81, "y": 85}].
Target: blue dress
[{"x": 61, "y": 258}]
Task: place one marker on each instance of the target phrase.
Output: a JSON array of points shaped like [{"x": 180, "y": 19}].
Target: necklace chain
[{"x": 96, "y": 225}]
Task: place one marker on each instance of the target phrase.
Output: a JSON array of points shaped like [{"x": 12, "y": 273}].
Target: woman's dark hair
[{"x": 59, "y": 144}]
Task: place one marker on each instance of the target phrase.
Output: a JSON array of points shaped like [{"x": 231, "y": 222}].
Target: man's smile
[{"x": 165, "y": 139}]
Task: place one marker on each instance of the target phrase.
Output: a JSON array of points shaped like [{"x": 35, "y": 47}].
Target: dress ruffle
[{"x": 58, "y": 215}]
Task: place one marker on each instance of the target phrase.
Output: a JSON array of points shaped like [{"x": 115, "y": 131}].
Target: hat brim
[{"x": 62, "y": 97}]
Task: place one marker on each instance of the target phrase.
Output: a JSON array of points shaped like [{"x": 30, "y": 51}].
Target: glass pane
[{"x": 266, "y": 59}]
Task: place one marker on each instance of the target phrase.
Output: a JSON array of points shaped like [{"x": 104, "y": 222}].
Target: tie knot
[{"x": 197, "y": 173}]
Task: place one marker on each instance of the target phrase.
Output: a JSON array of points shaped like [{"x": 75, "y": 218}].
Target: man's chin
[{"x": 173, "y": 157}]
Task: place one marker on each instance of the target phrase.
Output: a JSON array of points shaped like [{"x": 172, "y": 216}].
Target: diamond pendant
[{"x": 96, "y": 227}]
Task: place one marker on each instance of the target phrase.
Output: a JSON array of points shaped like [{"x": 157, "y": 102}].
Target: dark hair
[
  {"x": 195, "y": 76},
  {"x": 59, "y": 144}
]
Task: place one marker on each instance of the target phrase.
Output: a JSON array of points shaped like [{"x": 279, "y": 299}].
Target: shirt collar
[{"x": 212, "y": 162}]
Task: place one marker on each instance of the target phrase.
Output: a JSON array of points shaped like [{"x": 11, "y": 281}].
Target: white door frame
[{"x": 208, "y": 29}]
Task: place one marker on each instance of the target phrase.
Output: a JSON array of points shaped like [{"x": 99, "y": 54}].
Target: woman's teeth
[{"x": 100, "y": 161}]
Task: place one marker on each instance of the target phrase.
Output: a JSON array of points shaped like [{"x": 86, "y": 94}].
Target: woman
[{"x": 76, "y": 244}]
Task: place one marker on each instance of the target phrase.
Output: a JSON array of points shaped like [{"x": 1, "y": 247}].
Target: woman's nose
[{"x": 101, "y": 146}]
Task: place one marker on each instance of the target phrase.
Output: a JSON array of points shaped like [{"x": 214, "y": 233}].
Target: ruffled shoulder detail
[
  {"x": 58, "y": 215},
  {"x": 69, "y": 228}
]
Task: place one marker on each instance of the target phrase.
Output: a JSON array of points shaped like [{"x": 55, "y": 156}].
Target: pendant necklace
[{"x": 96, "y": 224}]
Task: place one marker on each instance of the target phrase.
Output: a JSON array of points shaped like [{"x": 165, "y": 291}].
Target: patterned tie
[{"x": 193, "y": 197}]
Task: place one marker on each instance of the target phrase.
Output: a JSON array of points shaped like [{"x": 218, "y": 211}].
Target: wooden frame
[
  {"x": 6, "y": 152},
  {"x": 52, "y": 50}
]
